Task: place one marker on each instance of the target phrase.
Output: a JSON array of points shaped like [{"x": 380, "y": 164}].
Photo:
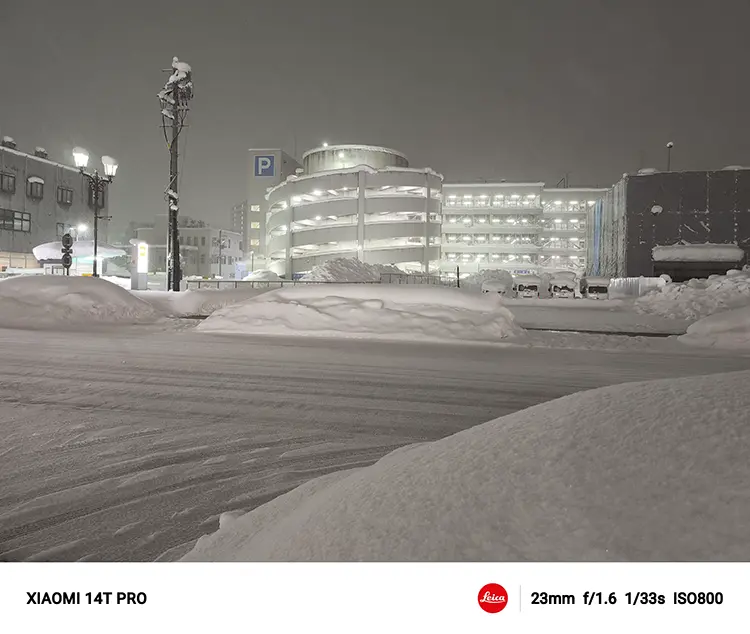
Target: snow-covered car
[
  {"x": 595, "y": 287},
  {"x": 495, "y": 286},
  {"x": 526, "y": 286},
  {"x": 562, "y": 287}
]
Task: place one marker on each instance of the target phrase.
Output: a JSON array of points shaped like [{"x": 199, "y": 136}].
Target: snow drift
[
  {"x": 698, "y": 298},
  {"x": 730, "y": 330},
  {"x": 202, "y": 301},
  {"x": 261, "y": 275},
  {"x": 653, "y": 471},
  {"x": 348, "y": 270},
  {"x": 371, "y": 311},
  {"x": 56, "y": 301}
]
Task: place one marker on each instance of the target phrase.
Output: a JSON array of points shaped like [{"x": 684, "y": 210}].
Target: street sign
[{"x": 67, "y": 252}]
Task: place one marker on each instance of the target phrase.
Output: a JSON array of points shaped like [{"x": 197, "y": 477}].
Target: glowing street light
[{"x": 97, "y": 186}]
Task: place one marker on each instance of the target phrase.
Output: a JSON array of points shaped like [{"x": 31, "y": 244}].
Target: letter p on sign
[{"x": 264, "y": 165}]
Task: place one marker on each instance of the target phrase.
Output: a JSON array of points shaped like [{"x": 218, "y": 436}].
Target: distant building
[
  {"x": 40, "y": 200},
  {"x": 205, "y": 251},
  {"x": 655, "y": 209},
  {"x": 266, "y": 168}
]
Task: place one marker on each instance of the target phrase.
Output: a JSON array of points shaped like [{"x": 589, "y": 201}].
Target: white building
[
  {"x": 520, "y": 227},
  {"x": 205, "y": 251},
  {"x": 354, "y": 201}
]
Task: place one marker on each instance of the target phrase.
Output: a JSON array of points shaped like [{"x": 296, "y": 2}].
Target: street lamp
[
  {"x": 97, "y": 187},
  {"x": 81, "y": 229}
]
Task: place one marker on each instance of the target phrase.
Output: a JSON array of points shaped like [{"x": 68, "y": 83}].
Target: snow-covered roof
[
  {"x": 527, "y": 279},
  {"x": 353, "y": 146},
  {"x": 501, "y": 184},
  {"x": 37, "y": 158},
  {"x": 597, "y": 281},
  {"x": 698, "y": 253},
  {"x": 562, "y": 281},
  {"x": 35, "y": 179}
]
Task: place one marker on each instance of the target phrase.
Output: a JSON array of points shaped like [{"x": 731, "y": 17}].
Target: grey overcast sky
[{"x": 477, "y": 89}]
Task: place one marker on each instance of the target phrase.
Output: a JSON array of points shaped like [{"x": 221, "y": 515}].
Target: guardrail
[{"x": 385, "y": 278}]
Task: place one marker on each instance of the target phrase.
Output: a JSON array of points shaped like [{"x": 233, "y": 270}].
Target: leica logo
[{"x": 492, "y": 598}]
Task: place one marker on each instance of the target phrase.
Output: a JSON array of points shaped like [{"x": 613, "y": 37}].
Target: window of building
[
  {"x": 101, "y": 199},
  {"x": 203, "y": 241},
  {"x": 35, "y": 188},
  {"x": 254, "y": 207},
  {"x": 242, "y": 244},
  {"x": 62, "y": 229},
  {"x": 214, "y": 259},
  {"x": 229, "y": 243},
  {"x": 203, "y": 258},
  {"x": 230, "y": 260},
  {"x": 255, "y": 225},
  {"x": 8, "y": 183},
  {"x": 64, "y": 196},
  {"x": 214, "y": 242},
  {"x": 254, "y": 242},
  {"x": 15, "y": 220},
  {"x": 223, "y": 259}
]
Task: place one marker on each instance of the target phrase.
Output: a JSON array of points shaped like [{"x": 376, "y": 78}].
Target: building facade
[
  {"x": 40, "y": 200},
  {"x": 662, "y": 209},
  {"x": 521, "y": 227},
  {"x": 205, "y": 251},
  {"x": 266, "y": 168},
  {"x": 355, "y": 201}
]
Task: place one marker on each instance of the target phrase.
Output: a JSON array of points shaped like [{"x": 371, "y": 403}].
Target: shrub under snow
[
  {"x": 729, "y": 329},
  {"x": 698, "y": 298},
  {"x": 653, "y": 471}
]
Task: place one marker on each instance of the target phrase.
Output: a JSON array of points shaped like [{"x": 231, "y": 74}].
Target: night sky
[{"x": 477, "y": 89}]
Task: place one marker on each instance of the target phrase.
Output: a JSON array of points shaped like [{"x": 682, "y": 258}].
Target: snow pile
[
  {"x": 475, "y": 280},
  {"x": 652, "y": 471},
  {"x": 369, "y": 311},
  {"x": 698, "y": 253},
  {"x": 348, "y": 270},
  {"x": 261, "y": 275},
  {"x": 698, "y": 298},
  {"x": 82, "y": 249},
  {"x": 730, "y": 330},
  {"x": 43, "y": 301},
  {"x": 203, "y": 301}
]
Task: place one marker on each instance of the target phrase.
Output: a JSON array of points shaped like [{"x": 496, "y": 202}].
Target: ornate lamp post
[{"x": 97, "y": 187}]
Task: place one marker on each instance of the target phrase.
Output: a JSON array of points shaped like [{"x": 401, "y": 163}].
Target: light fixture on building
[
  {"x": 325, "y": 144},
  {"x": 524, "y": 220},
  {"x": 573, "y": 202},
  {"x": 558, "y": 202},
  {"x": 318, "y": 217},
  {"x": 531, "y": 196},
  {"x": 558, "y": 219},
  {"x": 296, "y": 199},
  {"x": 341, "y": 155},
  {"x": 516, "y": 196},
  {"x": 574, "y": 220},
  {"x": 592, "y": 203},
  {"x": 317, "y": 192}
]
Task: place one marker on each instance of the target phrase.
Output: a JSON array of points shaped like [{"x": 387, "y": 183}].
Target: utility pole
[
  {"x": 221, "y": 246},
  {"x": 174, "y": 98}
]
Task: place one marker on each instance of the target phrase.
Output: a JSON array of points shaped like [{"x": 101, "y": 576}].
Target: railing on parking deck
[
  {"x": 385, "y": 278},
  {"x": 621, "y": 287}
]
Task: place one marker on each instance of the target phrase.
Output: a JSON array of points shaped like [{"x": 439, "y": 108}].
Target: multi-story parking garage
[
  {"x": 355, "y": 201},
  {"x": 522, "y": 227}
]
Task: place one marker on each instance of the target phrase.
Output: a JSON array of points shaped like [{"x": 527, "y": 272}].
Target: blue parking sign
[{"x": 264, "y": 165}]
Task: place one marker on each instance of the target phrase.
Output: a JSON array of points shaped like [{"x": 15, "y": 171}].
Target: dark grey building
[
  {"x": 653, "y": 209},
  {"x": 40, "y": 200}
]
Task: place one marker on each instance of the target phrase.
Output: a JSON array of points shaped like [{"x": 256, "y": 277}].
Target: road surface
[{"x": 128, "y": 445}]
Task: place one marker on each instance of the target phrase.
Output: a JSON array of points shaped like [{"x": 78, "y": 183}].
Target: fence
[
  {"x": 385, "y": 278},
  {"x": 633, "y": 286}
]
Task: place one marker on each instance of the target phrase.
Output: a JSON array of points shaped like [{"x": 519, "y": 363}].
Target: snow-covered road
[{"x": 127, "y": 445}]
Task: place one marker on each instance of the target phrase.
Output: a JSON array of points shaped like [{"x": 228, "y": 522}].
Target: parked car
[
  {"x": 496, "y": 286},
  {"x": 562, "y": 287},
  {"x": 595, "y": 287},
  {"x": 526, "y": 286}
]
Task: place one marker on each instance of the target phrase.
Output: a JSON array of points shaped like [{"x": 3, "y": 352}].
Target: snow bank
[
  {"x": 348, "y": 270},
  {"x": 653, "y": 471},
  {"x": 198, "y": 302},
  {"x": 698, "y": 253},
  {"x": 730, "y": 330},
  {"x": 475, "y": 280},
  {"x": 49, "y": 301},
  {"x": 81, "y": 249},
  {"x": 698, "y": 298},
  {"x": 262, "y": 275},
  {"x": 370, "y": 311}
]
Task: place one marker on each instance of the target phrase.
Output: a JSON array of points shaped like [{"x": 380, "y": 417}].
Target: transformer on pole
[{"x": 174, "y": 99}]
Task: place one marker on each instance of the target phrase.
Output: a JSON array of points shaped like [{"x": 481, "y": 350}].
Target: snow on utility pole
[{"x": 174, "y": 98}]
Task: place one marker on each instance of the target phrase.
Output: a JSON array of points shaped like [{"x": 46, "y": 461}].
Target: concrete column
[
  {"x": 289, "y": 269},
  {"x": 425, "y": 251},
  {"x": 361, "y": 207}
]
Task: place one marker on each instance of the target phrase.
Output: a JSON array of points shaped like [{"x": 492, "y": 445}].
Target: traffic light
[{"x": 67, "y": 252}]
